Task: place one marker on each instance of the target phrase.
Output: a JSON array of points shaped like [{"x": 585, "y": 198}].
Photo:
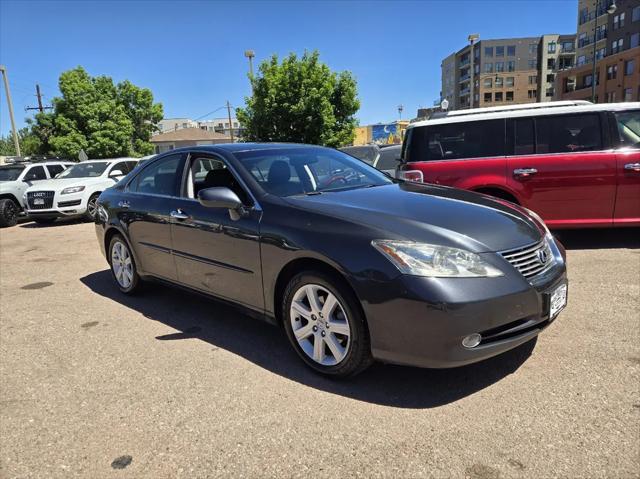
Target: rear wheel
[
  {"x": 8, "y": 213},
  {"x": 325, "y": 326},
  {"x": 123, "y": 266},
  {"x": 92, "y": 207}
]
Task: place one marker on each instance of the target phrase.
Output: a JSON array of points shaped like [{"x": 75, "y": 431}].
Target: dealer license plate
[
  {"x": 38, "y": 201},
  {"x": 558, "y": 300}
]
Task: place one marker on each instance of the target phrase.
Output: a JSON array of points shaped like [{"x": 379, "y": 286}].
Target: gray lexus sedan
[{"x": 353, "y": 265}]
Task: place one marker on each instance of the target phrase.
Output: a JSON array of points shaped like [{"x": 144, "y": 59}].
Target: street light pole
[
  {"x": 16, "y": 143},
  {"x": 612, "y": 8},
  {"x": 250, "y": 54}
]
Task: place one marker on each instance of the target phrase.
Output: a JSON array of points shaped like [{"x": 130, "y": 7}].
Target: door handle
[
  {"x": 524, "y": 172},
  {"x": 123, "y": 204},
  {"x": 632, "y": 167},
  {"x": 179, "y": 214}
]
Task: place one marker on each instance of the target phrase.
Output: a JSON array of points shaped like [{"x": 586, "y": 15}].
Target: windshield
[
  {"x": 10, "y": 173},
  {"x": 296, "y": 171},
  {"x": 629, "y": 127},
  {"x": 84, "y": 170}
]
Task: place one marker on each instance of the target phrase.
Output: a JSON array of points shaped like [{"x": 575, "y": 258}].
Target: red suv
[{"x": 576, "y": 164}]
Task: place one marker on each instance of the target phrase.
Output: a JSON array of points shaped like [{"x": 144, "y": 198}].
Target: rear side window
[
  {"x": 454, "y": 141},
  {"x": 159, "y": 178},
  {"x": 568, "y": 133},
  {"x": 54, "y": 169}
]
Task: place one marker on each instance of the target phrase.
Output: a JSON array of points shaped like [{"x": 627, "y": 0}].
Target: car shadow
[
  {"x": 30, "y": 223},
  {"x": 600, "y": 238},
  {"x": 265, "y": 345}
]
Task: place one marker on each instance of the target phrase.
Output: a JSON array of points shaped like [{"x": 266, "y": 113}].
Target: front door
[
  {"x": 213, "y": 252},
  {"x": 146, "y": 210},
  {"x": 568, "y": 176}
]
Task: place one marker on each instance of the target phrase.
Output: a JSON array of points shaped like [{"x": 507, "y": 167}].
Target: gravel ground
[{"x": 167, "y": 384}]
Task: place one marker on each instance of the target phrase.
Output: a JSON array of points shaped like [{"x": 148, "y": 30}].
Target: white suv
[
  {"x": 74, "y": 192},
  {"x": 15, "y": 178}
]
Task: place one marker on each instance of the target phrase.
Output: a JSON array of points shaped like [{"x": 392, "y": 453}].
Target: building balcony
[
  {"x": 464, "y": 63},
  {"x": 464, "y": 78},
  {"x": 464, "y": 91}
]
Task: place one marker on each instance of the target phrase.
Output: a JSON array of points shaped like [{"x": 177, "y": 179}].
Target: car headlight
[
  {"x": 421, "y": 259},
  {"x": 72, "y": 189}
]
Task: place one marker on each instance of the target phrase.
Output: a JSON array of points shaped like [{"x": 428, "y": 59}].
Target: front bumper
[
  {"x": 69, "y": 205},
  {"x": 424, "y": 320}
]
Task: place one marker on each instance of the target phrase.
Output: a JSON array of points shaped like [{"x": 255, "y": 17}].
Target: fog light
[{"x": 472, "y": 340}]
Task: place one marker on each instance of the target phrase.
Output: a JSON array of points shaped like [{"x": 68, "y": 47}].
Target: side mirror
[
  {"x": 222, "y": 197},
  {"x": 115, "y": 173}
]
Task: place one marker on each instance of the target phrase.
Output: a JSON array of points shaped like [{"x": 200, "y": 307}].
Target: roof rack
[
  {"x": 520, "y": 107},
  {"x": 12, "y": 160}
]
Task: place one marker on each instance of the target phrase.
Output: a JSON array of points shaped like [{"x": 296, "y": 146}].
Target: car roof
[
  {"x": 242, "y": 147},
  {"x": 524, "y": 110}
]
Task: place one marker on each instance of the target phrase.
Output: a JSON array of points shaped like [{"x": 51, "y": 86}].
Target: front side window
[
  {"x": 568, "y": 133},
  {"x": 35, "y": 173},
  {"x": 454, "y": 141},
  {"x": 54, "y": 170},
  {"x": 629, "y": 127},
  {"x": 524, "y": 143},
  {"x": 297, "y": 171},
  {"x": 208, "y": 172},
  {"x": 88, "y": 169},
  {"x": 158, "y": 178}
]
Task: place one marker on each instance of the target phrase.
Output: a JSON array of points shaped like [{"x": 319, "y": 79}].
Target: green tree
[
  {"x": 29, "y": 143},
  {"x": 300, "y": 100},
  {"x": 94, "y": 114}
]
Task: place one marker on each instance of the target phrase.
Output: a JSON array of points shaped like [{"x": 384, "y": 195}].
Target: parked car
[
  {"x": 385, "y": 158},
  {"x": 15, "y": 178},
  {"x": 574, "y": 163},
  {"x": 353, "y": 264},
  {"x": 74, "y": 192}
]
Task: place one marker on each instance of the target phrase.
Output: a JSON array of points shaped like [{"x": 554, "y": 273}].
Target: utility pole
[
  {"x": 400, "y": 108},
  {"x": 250, "y": 54},
  {"x": 230, "y": 124},
  {"x": 10, "y": 105},
  {"x": 40, "y": 107}
]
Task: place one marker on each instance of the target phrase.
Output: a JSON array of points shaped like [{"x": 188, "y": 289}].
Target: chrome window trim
[{"x": 611, "y": 150}]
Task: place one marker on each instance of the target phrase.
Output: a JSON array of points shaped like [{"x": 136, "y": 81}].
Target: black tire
[
  {"x": 92, "y": 211},
  {"x": 358, "y": 355},
  {"x": 44, "y": 221},
  {"x": 8, "y": 213},
  {"x": 135, "y": 283}
]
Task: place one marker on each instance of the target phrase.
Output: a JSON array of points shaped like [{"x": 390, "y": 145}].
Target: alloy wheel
[
  {"x": 92, "y": 206},
  {"x": 122, "y": 264},
  {"x": 320, "y": 325}
]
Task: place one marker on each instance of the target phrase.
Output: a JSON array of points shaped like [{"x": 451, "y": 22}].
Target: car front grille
[
  {"x": 530, "y": 260},
  {"x": 46, "y": 196}
]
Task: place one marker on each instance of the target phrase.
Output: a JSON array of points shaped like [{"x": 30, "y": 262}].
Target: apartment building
[
  {"x": 505, "y": 71},
  {"x": 617, "y": 54}
]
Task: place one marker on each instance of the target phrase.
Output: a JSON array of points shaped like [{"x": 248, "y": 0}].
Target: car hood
[
  {"x": 62, "y": 183},
  {"x": 430, "y": 214}
]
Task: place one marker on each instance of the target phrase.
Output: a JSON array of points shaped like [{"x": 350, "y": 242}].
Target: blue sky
[{"x": 190, "y": 53}]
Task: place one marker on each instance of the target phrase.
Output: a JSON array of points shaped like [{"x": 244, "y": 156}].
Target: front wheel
[
  {"x": 123, "y": 266},
  {"x": 92, "y": 207},
  {"x": 325, "y": 326},
  {"x": 8, "y": 213}
]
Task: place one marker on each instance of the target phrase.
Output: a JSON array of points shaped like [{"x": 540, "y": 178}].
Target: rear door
[
  {"x": 146, "y": 210},
  {"x": 568, "y": 176},
  {"x": 627, "y": 132}
]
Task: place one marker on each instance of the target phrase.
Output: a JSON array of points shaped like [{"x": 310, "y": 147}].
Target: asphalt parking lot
[{"x": 167, "y": 384}]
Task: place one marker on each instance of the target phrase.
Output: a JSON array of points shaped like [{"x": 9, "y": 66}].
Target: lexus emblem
[{"x": 543, "y": 256}]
